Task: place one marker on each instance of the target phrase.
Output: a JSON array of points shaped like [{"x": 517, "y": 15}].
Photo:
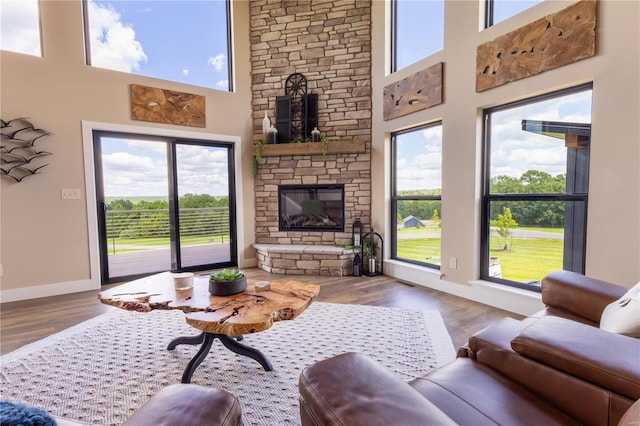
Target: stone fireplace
[{"x": 329, "y": 42}]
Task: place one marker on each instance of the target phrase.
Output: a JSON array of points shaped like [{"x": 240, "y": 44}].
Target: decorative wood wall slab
[
  {"x": 550, "y": 42},
  {"x": 417, "y": 92},
  {"x": 167, "y": 106}
]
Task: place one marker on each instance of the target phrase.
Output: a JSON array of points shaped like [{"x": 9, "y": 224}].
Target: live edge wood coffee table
[{"x": 225, "y": 318}]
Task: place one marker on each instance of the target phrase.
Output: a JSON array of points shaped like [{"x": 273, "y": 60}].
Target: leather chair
[{"x": 554, "y": 368}]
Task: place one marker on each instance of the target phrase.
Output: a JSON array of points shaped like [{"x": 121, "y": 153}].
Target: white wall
[
  {"x": 45, "y": 241},
  {"x": 613, "y": 234}
]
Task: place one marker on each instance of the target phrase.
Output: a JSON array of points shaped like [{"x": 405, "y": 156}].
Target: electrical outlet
[
  {"x": 70, "y": 194},
  {"x": 453, "y": 263}
]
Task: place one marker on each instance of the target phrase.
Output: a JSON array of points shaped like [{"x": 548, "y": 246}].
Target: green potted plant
[
  {"x": 369, "y": 252},
  {"x": 227, "y": 282}
]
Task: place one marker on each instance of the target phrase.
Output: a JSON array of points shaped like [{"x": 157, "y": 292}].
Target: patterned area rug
[{"x": 101, "y": 371}]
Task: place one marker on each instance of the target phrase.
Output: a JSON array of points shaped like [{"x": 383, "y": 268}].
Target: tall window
[
  {"x": 417, "y": 194},
  {"x": 20, "y": 26},
  {"x": 499, "y": 10},
  {"x": 417, "y": 31},
  {"x": 183, "y": 41},
  {"x": 536, "y": 187}
]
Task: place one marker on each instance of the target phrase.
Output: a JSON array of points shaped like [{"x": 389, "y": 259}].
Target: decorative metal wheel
[
  {"x": 296, "y": 85},
  {"x": 296, "y": 88}
]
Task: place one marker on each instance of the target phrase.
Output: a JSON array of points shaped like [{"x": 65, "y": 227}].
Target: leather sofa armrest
[
  {"x": 351, "y": 389},
  {"x": 579, "y": 294},
  {"x": 188, "y": 404},
  {"x": 609, "y": 360}
]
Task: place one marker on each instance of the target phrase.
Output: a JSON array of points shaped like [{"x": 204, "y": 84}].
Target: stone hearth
[{"x": 305, "y": 259}]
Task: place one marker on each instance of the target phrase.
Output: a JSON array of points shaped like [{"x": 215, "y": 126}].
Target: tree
[
  {"x": 436, "y": 219},
  {"x": 505, "y": 225},
  {"x": 120, "y": 204}
]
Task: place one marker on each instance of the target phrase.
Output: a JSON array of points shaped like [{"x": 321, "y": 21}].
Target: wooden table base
[{"x": 206, "y": 339}]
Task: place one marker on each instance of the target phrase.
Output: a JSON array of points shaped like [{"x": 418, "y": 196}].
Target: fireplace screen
[{"x": 311, "y": 207}]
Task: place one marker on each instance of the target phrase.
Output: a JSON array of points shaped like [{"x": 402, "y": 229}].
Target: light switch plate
[{"x": 70, "y": 194}]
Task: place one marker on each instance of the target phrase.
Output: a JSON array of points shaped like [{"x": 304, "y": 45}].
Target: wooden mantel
[{"x": 312, "y": 148}]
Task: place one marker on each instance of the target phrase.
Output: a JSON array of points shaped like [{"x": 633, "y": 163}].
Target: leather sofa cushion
[
  {"x": 188, "y": 405},
  {"x": 609, "y": 360},
  {"x": 580, "y": 399},
  {"x": 473, "y": 394}
]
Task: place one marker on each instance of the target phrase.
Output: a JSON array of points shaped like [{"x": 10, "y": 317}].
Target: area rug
[{"x": 99, "y": 372}]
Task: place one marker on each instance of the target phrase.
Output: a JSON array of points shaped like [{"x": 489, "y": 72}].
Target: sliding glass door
[{"x": 163, "y": 204}]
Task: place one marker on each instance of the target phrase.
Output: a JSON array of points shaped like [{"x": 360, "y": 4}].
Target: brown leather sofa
[{"x": 554, "y": 368}]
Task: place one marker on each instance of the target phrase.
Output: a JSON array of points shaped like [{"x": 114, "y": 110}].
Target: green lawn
[
  {"x": 138, "y": 244},
  {"x": 420, "y": 249},
  {"x": 527, "y": 259}
]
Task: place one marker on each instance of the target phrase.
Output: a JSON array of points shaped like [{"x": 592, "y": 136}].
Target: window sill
[
  {"x": 520, "y": 301},
  {"x": 505, "y": 289}
]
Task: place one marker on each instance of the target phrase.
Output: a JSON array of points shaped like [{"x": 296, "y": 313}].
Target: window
[
  {"x": 167, "y": 204},
  {"x": 417, "y": 31},
  {"x": 536, "y": 187},
  {"x": 20, "y": 26},
  {"x": 183, "y": 41},
  {"x": 499, "y": 10},
  {"x": 417, "y": 195}
]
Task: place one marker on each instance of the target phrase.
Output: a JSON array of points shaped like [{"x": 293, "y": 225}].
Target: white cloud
[
  {"x": 218, "y": 62},
  {"x": 223, "y": 84},
  {"x": 185, "y": 71},
  {"x": 142, "y": 170},
  {"x": 420, "y": 166},
  {"x": 113, "y": 43},
  {"x": 514, "y": 151},
  {"x": 123, "y": 161},
  {"x": 20, "y": 26},
  {"x": 133, "y": 175}
]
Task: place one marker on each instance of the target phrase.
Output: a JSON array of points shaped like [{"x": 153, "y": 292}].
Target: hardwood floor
[{"x": 26, "y": 321}]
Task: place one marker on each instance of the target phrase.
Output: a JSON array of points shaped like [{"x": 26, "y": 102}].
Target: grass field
[
  {"x": 123, "y": 245},
  {"x": 526, "y": 259}
]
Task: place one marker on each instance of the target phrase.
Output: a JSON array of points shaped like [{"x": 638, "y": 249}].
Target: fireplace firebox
[{"x": 311, "y": 207}]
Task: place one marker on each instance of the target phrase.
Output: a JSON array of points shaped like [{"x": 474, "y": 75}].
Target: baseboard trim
[
  {"x": 502, "y": 297},
  {"x": 47, "y": 290}
]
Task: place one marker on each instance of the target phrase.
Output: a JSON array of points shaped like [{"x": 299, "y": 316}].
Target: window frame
[
  {"x": 577, "y": 265},
  {"x": 489, "y": 12},
  {"x": 394, "y": 36},
  {"x": 489, "y": 6},
  {"x": 395, "y": 197}
]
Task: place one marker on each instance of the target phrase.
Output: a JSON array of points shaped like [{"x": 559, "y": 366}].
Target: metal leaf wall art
[{"x": 20, "y": 157}]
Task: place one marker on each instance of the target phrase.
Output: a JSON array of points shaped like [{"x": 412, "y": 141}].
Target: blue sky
[{"x": 183, "y": 41}]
